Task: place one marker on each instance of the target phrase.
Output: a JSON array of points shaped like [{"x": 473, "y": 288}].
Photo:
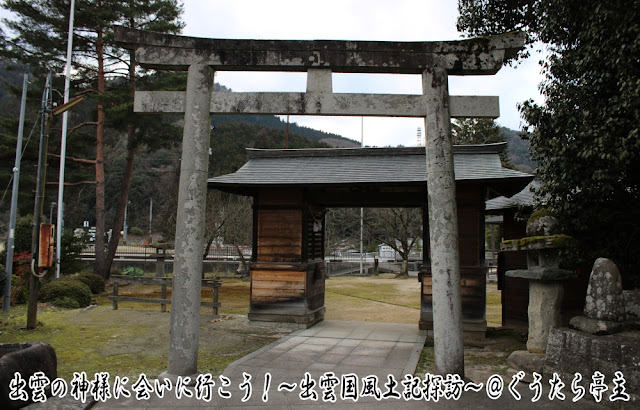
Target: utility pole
[
  {"x": 6, "y": 301},
  {"x": 32, "y": 308},
  {"x": 63, "y": 143},
  {"x": 361, "y": 209},
  {"x": 150, "y": 214}
]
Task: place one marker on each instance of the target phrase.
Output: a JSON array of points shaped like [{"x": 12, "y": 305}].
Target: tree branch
[
  {"x": 75, "y": 128},
  {"x": 74, "y": 159},
  {"x": 74, "y": 183}
]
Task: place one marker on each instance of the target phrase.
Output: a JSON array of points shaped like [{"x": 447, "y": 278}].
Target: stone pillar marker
[
  {"x": 192, "y": 196},
  {"x": 443, "y": 226}
]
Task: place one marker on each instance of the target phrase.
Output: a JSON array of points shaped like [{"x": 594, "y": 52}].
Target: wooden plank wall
[
  {"x": 287, "y": 274},
  {"x": 278, "y": 288},
  {"x": 279, "y": 235}
]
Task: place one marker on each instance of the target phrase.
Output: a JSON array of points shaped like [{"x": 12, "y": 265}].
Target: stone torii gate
[{"x": 435, "y": 61}]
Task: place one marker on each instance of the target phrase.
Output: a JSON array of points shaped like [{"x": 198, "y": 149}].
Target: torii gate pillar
[
  {"x": 192, "y": 197},
  {"x": 443, "y": 225}
]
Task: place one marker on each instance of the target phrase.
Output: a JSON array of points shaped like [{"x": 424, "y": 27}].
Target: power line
[{"x": 24, "y": 149}]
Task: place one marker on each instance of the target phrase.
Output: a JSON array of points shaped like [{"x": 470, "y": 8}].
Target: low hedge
[
  {"x": 58, "y": 291},
  {"x": 76, "y": 278},
  {"x": 96, "y": 282}
]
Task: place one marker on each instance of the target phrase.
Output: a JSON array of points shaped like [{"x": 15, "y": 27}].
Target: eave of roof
[
  {"x": 522, "y": 198},
  {"x": 367, "y": 166}
]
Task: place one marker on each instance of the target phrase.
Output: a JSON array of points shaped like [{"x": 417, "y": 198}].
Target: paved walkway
[{"x": 340, "y": 347}]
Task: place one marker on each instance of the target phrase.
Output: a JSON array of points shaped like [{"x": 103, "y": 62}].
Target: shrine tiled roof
[{"x": 364, "y": 166}]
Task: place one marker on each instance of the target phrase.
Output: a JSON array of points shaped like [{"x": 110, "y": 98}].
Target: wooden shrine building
[{"x": 292, "y": 189}]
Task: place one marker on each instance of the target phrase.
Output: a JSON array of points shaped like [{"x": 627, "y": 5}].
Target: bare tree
[
  {"x": 229, "y": 222},
  {"x": 399, "y": 228}
]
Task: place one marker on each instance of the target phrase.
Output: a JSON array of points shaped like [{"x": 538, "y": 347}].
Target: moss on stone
[
  {"x": 538, "y": 242},
  {"x": 539, "y": 213}
]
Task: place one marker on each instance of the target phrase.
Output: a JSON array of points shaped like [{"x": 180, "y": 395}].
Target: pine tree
[
  {"x": 479, "y": 131},
  {"x": 38, "y": 38}
]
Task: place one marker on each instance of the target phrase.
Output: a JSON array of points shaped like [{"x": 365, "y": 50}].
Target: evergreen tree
[
  {"x": 585, "y": 137},
  {"x": 479, "y": 131},
  {"x": 38, "y": 38}
]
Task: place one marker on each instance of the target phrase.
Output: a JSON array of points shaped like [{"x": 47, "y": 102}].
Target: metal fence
[
  {"x": 149, "y": 252},
  {"x": 144, "y": 252}
]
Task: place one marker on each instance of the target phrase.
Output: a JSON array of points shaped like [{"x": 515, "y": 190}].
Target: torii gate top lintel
[
  {"x": 475, "y": 56},
  {"x": 319, "y": 58}
]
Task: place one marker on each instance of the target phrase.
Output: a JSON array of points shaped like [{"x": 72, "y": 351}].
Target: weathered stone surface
[
  {"x": 572, "y": 351},
  {"x": 541, "y": 274},
  {"x": 604, "y": 300},
  {"x": 542, "y": 224},
  {"x": 527, "y": 362},
  {"x": 274, "y": 103},
  {"x": 462, "y": 57},
  {"x": 596, "y": 326},
  {"x": 555, "y": 341},
  {"x": 26, "y": 359},
  {"x": 443, "y": 227},
  {"x": 632, "y": 304},
  {"x": 545, "y": 300},
  {"x": 190, "y": 220}
]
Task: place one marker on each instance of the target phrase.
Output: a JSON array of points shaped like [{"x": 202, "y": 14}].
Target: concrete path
[
  {"x": 329, "y": 351},
  {"x": 339, "y": 347}
]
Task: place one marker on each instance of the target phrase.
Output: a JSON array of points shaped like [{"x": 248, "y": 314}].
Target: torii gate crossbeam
[{"x": 435, "y": 61}]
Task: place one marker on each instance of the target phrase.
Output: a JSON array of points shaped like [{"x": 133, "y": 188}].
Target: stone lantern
[{"x": 546, "y": 289}]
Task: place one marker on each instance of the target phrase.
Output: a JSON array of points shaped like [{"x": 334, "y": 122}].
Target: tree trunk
[
  {"x": 404, "y": 271},
  {"x": 100, "y": 266},
  {"x": 118, "y": 219},
  {"x": 125, "y": 187},
  {"x": 207, "y": 247},
  {"x": 245, "y": 268}
]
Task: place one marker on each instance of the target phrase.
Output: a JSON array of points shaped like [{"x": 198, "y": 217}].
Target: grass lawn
[{"x": 134, "y": 339}]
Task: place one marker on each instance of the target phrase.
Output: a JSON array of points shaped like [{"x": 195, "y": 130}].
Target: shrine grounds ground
[{"x": 134, "y": 339}]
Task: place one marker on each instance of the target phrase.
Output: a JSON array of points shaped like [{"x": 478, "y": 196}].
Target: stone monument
[
  {"x": 604, "y": 308},
  {"x": 603, "y": 339}
]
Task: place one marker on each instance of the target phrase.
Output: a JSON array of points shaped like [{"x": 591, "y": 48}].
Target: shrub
[
  {"x": 71, "y": 250},
  {"x": 60, "y": 289},
  {"x": 20, "y": 277},
  {"x": 136, "y": 231},
  {"x": 19, "y": 289},
  {"x": 96, "y": 282},
  {"x": 132, "y": 271},
  {"x": 76, "y": 278},
  {"x": 66, "y": 303},
  {"x": 3, "y": 277},
  {"x": 23, "y": 233}
]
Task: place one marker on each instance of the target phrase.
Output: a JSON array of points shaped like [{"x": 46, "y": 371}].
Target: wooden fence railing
[{"x": 163, "y": 283}]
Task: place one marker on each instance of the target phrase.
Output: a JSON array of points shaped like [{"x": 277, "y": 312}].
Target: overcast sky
[{"x": 384, "y": 20}]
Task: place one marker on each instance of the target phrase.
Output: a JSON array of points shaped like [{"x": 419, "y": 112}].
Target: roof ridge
[{"x": 494, "y": 148}]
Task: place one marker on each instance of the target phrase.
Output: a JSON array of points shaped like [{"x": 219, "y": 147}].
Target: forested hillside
[
  {"x": 518, "y": 150},
  {"x": 155, "y": 173}
]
